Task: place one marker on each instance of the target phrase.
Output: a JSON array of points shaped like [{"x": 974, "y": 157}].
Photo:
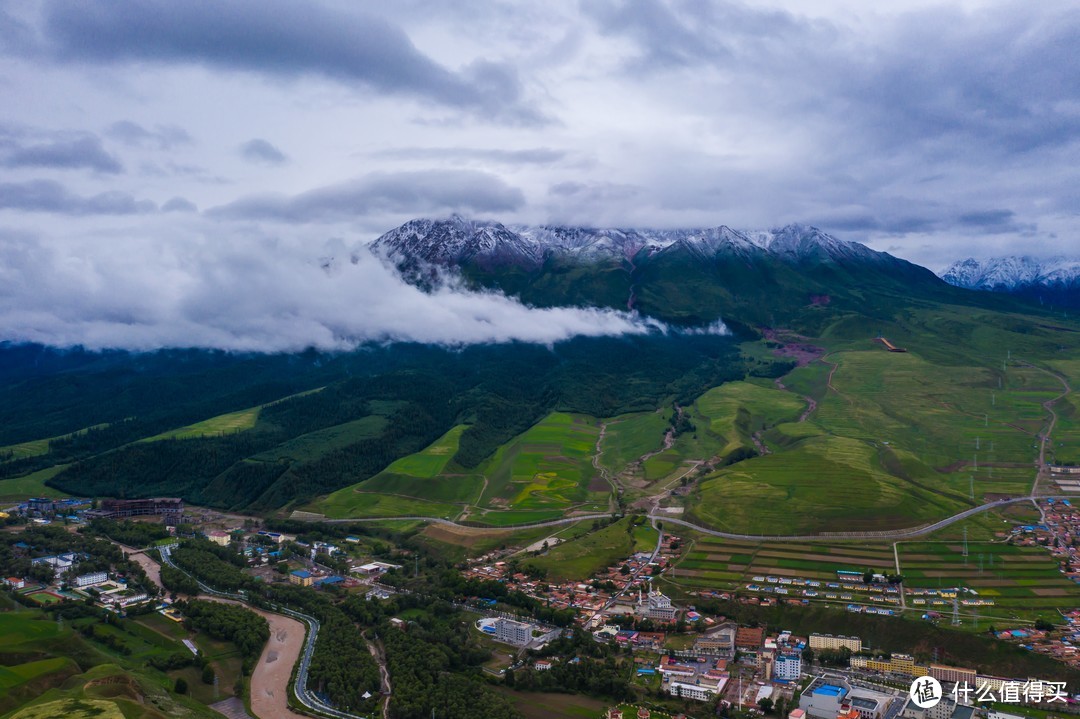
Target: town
[{"x": 675, "y": 650}]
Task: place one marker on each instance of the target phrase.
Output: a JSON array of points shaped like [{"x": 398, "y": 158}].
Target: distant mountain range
[
  {"x": 796, "y": 275},
  {"x": 1053, "y": 281},
  {"x": 460, "y": 241}
]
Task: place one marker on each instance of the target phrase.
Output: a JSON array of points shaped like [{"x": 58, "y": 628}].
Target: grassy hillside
[
  {"x": 50, "y": 669},
  {"x": 582, "y": 557},
  {"x": 536, "y": 476}
]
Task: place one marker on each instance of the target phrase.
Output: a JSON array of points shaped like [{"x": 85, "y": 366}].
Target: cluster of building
[
  {"x": 43, "y": 510},
  {"x": 835, "y": 697},
  {"x": 69, "y": 583},
  {"x": 518, "y": 632},
  {"x": 170, "y": 509},
  {"x": 628, "y": 581}
]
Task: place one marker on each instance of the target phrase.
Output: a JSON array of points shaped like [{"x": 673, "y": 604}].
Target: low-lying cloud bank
[{"x": 254, "y": 294}]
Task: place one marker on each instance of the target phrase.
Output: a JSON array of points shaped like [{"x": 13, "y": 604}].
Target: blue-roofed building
[
  {"x": 328, "y": 581},
  {"x": 301, "y": 577}
]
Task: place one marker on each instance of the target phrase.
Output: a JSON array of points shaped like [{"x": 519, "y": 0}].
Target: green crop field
[
  {"x": 550, "y": 465},
  {"x": 431, "y": 461},
  {"x": 535, "y": 477},
  {"x": 416, "y": 483},
  {"x": 238, "y": 421},
  {"x": 732, "y": 563},
  {"x": 1015, "y": 578}
]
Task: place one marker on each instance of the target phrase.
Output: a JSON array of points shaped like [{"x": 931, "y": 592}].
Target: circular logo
[{"x": 925, "y": 692}]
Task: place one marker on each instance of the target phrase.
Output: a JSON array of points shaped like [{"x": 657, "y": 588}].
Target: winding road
[
  {"x": 288, "y": 629},
  {"x": 892, "y": 534}
]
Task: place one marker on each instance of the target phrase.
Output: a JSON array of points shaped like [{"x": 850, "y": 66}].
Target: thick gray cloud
[
  {"x": 277, "y": 37},
  {"x": 52, "y": 197},
  {"x": 259, "y": 150},
  {"x": 164, "y": 137},
  {"x": 438, "y": 191},
  {"x": 252, "y": 295},
  {"x": 935, "y": 129},
  {"x": 74, "y": 153}
]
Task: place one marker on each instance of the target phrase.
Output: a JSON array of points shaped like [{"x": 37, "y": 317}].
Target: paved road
[
  {"x": 300, "y": 689},
  {"x": 882, "y": 535}
]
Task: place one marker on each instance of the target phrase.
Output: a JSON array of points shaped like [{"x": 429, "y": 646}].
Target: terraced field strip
[
  {"x": 1013, "y": 577},
  {"x": 742, "y": 561}
]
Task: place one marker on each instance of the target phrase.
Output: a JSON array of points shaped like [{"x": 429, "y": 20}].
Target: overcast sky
[{"x": 172, "y": 150}]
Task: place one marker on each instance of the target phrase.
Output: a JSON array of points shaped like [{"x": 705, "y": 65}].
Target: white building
[
  {"x": 657, "y": 607},
  {"x": 89, "y": 580},
  {"x": 127, "y": 601},
  {"x": 697, "y": 692},
  {"x": 787, "y": 666},
  {"x": 511, "y": 632}
]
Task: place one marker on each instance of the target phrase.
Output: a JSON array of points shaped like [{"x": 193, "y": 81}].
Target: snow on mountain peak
[
  {"x": 1012, "y": 272},
  {"x": 456, "y": 240}
]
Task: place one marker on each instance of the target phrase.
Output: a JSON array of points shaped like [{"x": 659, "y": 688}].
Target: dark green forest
[{"x": 499, "y": 391}]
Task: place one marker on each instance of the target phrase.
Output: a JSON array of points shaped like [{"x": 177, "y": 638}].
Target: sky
[{"x": 178, "y": 173}]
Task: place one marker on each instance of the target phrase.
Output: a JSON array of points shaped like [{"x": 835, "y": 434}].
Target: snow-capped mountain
[
  {"x": 1012, "y": 272},
  {"x": 458, "y": 241},
  {"x": 1054, "y": 281}
]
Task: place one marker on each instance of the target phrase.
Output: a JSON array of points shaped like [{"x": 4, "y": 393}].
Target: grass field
[
  {"x": 628, "y": 437},
  {"x": 417, "y": 484},
  {"x": 582, "y": 557},
  {"x": 921, "y": 439},
  {"x": 535, "y": 477},
  {"x": 537, "y": 705},
  {"x": 504, "y": 518},
  {"x": 38, "y": 447},
  {"x": 352, "y": 503},
  {"x": 32, "y": 485},
  {"x": 313, "y": 445},
  {"x": 240, "y": 421},
  {"x": 548, "y": 466},
  {"x": 736, "y": 410}
]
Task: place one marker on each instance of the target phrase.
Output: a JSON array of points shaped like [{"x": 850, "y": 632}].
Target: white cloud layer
[
  {"x": 251, "y": 294},
  {"x": 148, "y": 147}
]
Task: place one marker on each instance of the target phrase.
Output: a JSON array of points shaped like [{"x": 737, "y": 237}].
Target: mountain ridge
[
  {"x": 460, "y": 240},
  {"x": 1051, "y": 280}
]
